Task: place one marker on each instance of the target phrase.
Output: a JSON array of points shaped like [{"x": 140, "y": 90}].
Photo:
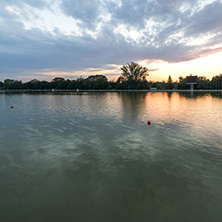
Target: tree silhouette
[
  {"x": 97, "y": 82},
  {"x": 169, "y": 82},
  {"x": 134, "y": 71},
  {"x": 1, "y": 85}
]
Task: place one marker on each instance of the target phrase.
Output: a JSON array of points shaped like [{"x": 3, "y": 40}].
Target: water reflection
[
  {"x": 193, "y": 94},
  {"x": 132, "y": 104},
  {"x": 169, "y": 94},
  {"x": 92, "y": 157}
]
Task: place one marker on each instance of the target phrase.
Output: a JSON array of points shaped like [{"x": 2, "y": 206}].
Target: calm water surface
[{"x": 92, "y": 157}]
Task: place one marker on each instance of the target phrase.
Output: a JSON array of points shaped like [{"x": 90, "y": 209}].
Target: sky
[{"x": 45, "y": 39}]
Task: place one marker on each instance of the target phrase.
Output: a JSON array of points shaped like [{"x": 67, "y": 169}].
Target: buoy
[
  {"x": 149, "y": 122},
  {"x": 12, "y": 107}
]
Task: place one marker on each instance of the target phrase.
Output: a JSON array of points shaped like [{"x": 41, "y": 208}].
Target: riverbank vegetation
[{"x": 133, "y": 76}]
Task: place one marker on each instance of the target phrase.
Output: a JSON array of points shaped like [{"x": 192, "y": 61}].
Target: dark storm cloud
[{"x": 36, "y": 50}]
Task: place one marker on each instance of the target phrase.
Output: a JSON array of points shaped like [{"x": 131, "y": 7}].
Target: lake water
[{"x": 91, "y": 157}]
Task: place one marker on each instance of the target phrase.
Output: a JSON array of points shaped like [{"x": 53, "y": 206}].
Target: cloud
[
  {"x": 88, "y": 35},
  {"x": 85, "y": 10},
  {"x": 153, "y": 70},
  {"x": 207, "y": 20},
  {"x": 33, "y": 3}
]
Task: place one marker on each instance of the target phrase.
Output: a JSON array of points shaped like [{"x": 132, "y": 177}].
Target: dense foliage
[{"x": 133, "y": 71}]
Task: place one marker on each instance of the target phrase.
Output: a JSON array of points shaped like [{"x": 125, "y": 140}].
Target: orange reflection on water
[{"x": 199, "y": 111}]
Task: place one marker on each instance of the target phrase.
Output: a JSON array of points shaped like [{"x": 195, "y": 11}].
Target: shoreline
[{"x": 105, "y": 90}]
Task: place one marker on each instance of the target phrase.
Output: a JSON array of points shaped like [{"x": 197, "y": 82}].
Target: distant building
[{"x": 192, "y": 80}]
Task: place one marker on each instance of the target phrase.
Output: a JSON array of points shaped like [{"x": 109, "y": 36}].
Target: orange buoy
[{"x": 149, "y": 122}]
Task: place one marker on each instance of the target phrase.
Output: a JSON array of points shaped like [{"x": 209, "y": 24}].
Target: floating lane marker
[{"x": 149, "y": 122}]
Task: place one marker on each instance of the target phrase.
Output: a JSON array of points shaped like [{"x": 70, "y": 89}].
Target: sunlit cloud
[
  {"x": 110, "y": 74},
  {"x": 51, "y": 20},
  {"x": 9, "y": 9}
]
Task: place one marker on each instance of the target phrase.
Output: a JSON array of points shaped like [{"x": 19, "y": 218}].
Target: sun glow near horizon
[
  {"x": 208, "y": 66},
  {"x": 160, "y": 70}
]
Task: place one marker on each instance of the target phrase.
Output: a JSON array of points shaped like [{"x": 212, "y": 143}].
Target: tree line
[{"x": 133, "y": 76}]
